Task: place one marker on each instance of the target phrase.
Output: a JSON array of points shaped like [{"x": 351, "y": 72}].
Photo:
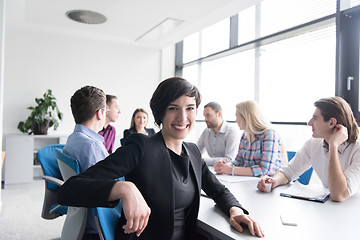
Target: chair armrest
[{"x": 53, "y": 180}]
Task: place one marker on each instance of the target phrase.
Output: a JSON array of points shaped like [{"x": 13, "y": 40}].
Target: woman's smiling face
[{"x": 179, "y": 118}]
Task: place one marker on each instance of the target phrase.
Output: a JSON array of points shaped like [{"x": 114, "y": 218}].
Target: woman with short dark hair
[{"x": 169, "y": 173}]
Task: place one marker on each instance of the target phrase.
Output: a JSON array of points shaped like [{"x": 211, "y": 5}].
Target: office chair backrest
[
  {"x": 305, "y": 177},
  {"x": 52, "y": 176},
  {"x": 107, "y": 219},
  {"x": 48, "y": 162},
  {"x": 290, "y": 155},
  {"x": 69, "y": 166},
  {"x": 75, "y": 222}
]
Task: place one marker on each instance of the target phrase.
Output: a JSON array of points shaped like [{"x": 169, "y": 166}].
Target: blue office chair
[
  {"x": 305, "y": 177},
  {"x": 75, "y": 222},
  {"x": 53, "y": 180},
  {"x": 106, "y": 220}
]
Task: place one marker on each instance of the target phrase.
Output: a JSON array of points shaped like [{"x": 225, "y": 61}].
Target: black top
[
  {"x": 184, "y": 191},
  {"x": 146, "y": 162},
  {"x": 128, "y": 132}
]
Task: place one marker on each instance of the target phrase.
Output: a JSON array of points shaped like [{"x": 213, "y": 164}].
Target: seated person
[
  {"x": 168, "y": 171},
  {"x": 261, "y": 151},
  {"x": 333, "y": 152},
  {"x": 220, "y": 139},
  {"x": 108, "y": 131},
  {"x": 85, "y": 144},
  {"x": 139, "y": 120}
]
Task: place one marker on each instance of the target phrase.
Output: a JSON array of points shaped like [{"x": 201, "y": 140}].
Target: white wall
[{"x": 36, "y": 60}]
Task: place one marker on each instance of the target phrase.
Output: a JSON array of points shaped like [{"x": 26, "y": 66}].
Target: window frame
[{"x": 346, "y": 59}]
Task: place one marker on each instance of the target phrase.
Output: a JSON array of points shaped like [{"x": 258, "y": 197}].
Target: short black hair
[{"x": 168, "y": 91}]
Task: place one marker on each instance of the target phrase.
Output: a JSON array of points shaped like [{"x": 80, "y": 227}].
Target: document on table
[
  {"x": 233, "y": 179},
  {"x": 316, "y": 193}
]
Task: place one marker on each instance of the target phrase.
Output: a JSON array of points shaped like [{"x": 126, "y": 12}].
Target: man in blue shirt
[{"x": 88, "y": 107}]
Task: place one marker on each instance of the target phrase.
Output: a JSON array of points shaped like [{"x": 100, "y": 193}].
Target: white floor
[{"x": 20, "y": 213}]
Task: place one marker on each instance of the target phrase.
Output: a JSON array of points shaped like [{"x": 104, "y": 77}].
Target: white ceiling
[{"x": 127, "y": 20}]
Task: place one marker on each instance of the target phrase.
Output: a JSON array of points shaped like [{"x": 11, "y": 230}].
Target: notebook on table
[{"x": 316, "y": 193}]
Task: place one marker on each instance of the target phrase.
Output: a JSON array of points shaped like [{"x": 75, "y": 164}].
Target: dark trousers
[{"x": 89, "y": 236}]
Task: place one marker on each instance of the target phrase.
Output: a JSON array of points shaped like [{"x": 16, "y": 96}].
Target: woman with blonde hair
[{"x": 261, "y": 151}]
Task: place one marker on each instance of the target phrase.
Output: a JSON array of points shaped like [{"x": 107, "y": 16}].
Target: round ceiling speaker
[{"x": 86, "y": 16}]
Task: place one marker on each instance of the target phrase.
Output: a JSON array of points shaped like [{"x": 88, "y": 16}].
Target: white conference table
[{"x": 329, "y": 220}]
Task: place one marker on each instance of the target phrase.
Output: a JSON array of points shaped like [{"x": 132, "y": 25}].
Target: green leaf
[{"x": 46, "y": 110}]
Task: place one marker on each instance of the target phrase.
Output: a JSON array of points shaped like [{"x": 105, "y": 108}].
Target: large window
[
  {"x": 285, "y": 58},
  {"x": 215, "y": 38},
  {"x": 191, "y": 47},
  {"x": 295, "y": 72},
  {"x": 277, "y": 15},
  {"x": 229, "y": 80},
  {"x": 246, "y": 25}
]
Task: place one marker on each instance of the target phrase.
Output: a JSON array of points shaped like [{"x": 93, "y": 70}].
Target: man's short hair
[
  {"x": 338, "y": 108},
  {"x": 109, "y": 98},
  {"x": 214, "y": 106},
  {"x": 86, "y": 102}
]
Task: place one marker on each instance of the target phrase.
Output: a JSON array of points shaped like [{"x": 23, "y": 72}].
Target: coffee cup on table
[{"x": 268, "y": 186}]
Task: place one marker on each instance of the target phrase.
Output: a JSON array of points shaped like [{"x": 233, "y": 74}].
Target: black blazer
[
  {"x": 146, "y": 162},
  {"x": 128, "y": 132}
]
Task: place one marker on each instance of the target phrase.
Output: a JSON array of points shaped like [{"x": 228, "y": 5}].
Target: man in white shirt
[
  {"x": 220, "y": 139},
  {"x": 333, "y": 152}
]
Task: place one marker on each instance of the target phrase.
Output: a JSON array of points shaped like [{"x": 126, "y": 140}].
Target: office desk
[{"x": 329, "y": 220}]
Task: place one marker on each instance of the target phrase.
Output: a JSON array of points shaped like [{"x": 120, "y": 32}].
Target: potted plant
[{"x": 45, "y": 115}]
